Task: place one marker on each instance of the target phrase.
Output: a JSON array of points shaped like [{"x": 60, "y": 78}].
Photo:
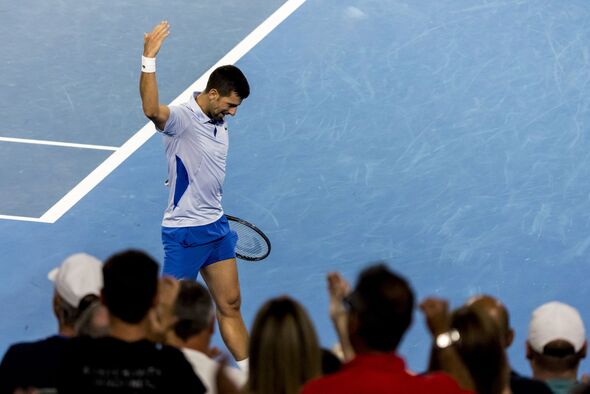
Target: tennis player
[{"x": 195, "y": 231}]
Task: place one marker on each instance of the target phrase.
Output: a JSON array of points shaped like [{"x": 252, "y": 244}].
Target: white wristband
[{"x": 148, "y": 64}]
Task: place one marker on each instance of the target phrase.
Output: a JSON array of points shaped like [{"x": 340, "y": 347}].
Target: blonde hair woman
[{"x": 284, "y": 350}]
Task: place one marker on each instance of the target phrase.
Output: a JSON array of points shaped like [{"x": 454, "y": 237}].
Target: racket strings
[{"x": 250, "y": 242}]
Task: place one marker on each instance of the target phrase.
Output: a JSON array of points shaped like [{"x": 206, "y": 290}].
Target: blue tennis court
[{"x": 449, "y": 138}]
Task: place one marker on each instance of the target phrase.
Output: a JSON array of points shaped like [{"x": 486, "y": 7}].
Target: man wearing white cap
[
  {"x": 33, "y": 364},
  {"x": 80, "y": 275},
  {"x": 555, "y": 345}
]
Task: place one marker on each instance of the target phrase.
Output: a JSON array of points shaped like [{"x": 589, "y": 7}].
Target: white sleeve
[{"x": 177, "y": 122}]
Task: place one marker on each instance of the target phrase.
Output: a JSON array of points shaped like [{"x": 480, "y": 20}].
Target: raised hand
[
  {"x": 213, "y": 352},
  {"x": 152, "y": 41},
  {"x": 223, "y": 382},
  {"x": 161, "y": 317},
  {"x": 338, "y": 288},
  {"x": 436, "y": 311}
]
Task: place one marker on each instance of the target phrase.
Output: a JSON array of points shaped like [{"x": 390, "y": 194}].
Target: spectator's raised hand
[
  {"x": 224, "y": 383},
  {"x": 161, "y": 317},
  {"x": 213, "y": 352},
  {"x": 338, "y": 289},
  {"x": 436, "y": 312}
]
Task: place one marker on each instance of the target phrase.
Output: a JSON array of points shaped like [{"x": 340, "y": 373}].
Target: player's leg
[{"x": 223, "y": 283}]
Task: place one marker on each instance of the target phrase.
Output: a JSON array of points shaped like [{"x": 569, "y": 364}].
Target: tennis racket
[{"x": 253, "y": 244}]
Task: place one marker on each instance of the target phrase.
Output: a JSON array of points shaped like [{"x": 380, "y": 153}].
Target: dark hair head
[
  {"x": 558, "y": 356},
  {"x": 130, "y": 285},
  {"x": 330, "y": 363},
  {"x": 228, "y": 79},
  {"x": 92, "y": 321},
  {"x": 87, "y": 301},
  {"x": 193, "y": 309},
  {"x": 284, "y": 350},
  {"x": 497, "y": 311},
  {"x": 383, "y": 303},
  {"x": 481, "y": 349},
  {"x": 66, "y": 314}
]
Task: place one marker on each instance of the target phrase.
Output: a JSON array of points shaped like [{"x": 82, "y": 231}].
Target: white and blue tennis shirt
[{"x": 196, "y": 152}]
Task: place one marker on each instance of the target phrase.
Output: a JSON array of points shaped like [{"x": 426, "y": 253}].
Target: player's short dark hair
[
  {"x": 193, "y": 309},
  {"x": 130, "y": 285},
  {"x": 383, "y": 303},
  {"x": 228, "y": 79}
]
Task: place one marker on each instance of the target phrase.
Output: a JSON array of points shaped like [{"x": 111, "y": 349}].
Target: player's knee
[{"x": 230, "y": 306}]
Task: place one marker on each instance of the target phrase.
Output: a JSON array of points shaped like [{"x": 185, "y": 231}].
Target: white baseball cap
[
  {"x": 555, "y": 320},
  {"x": 78, "y": 276}
]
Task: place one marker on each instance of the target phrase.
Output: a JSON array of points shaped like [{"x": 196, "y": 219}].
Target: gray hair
[{"x": 193, "y": 309}]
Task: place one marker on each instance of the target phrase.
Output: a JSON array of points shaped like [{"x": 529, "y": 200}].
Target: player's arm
[{"x": 148, "y": 86}]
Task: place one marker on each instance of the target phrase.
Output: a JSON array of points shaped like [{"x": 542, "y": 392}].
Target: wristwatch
[{"x": 447, "y": 339}]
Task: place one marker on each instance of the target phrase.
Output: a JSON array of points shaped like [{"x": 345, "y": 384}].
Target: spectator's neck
[
  {"x": 360, "y": 348},
  {"x": 128, "y": 332},
  {"x": 541, "y": 374},
  {"x": 66, "y": 331}
]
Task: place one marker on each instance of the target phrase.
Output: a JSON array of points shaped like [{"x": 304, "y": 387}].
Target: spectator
[
  {"x": 94, "y": 318},
  {"x": 498, "y": 312},
  {"x": 34, "y": 364},
  {"x": 125, "y": 361},
  {"x": 330, "y": 362},
  {"x": 379, "y": 313},
  {"x": 480, "y": 347},
  {"x": 581, "y": 389},
  {"x": 284, "y": 350},
  {"x": 192, "y": 331},
  {"x": 555, "y": 346}
]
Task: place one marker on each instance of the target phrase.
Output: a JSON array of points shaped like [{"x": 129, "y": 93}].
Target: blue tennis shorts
[{"x": 188, "y": 249}]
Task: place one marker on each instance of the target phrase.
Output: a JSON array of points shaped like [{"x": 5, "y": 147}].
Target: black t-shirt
[
  {"x": 31, "y": 364},
  {"x": 109, "y": 365},
  {"x": 522, "y": 385}
]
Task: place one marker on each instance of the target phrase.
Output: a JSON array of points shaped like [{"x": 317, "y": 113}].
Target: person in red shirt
[{"x": 379, "y": 312}]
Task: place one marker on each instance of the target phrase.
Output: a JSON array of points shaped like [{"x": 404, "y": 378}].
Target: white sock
[{"x": 244, "y": 364}]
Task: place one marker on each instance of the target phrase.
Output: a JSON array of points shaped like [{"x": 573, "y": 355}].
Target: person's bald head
[{"x": 498, "y": 312}]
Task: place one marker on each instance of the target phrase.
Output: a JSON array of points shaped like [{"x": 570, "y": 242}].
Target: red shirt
[{"x": 381, "y": 373}]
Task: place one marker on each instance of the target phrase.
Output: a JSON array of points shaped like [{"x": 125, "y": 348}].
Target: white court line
[
  {"x": 56, "y": 143},
  {"x": 144, "y": 134},
  {"x": 22, "y": 218}
]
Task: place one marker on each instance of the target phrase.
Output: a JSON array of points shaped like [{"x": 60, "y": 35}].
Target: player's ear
[{"x": 213, "y": 95}]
